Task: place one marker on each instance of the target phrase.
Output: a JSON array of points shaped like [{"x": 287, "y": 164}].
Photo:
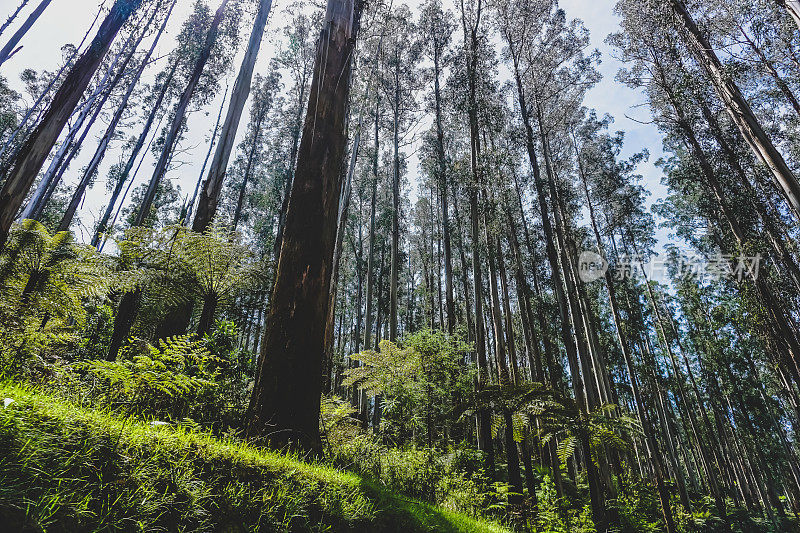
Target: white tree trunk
[{"x": 241, "y": 91}]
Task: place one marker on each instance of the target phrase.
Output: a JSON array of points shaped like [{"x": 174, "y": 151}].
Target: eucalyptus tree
[
  {"x": 92, "y": 168},
  {"x": 202, "y": 49},
  {"x": 202, "y": 55},
  {"x": 241, "y": 90},
  {"x": 32, "y": 155},
  {"x": 264, "y": 92},
  {"x": 474, "y": 33},
  {"x": 437, "y": 34},
  {"x": 285, "y": 405},
  {"x": 398, "y": 79},
  {"x": 738, "y": 107}
]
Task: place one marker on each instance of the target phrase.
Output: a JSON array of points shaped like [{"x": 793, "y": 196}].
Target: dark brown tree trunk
[
  {"x": 29, "y": 160},
  {"x": 206, "y": 322},
  {"x": 285, "y": 406},
  {"x": 123, "y": 321}
]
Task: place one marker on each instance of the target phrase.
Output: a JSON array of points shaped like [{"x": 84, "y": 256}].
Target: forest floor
[{"x": 64, "y": 467}]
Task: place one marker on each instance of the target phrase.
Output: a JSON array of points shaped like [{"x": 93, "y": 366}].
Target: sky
[{"x": 66, "y": 21}]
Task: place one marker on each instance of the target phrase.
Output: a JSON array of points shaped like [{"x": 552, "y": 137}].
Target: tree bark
[
  {"x": 285, "y": 406},
  {"x": 395, "y": 259},
  {"x": 443, "y": 193},
  {"x": 471, "y": 44},
  {"x": 209, "y": 196}
]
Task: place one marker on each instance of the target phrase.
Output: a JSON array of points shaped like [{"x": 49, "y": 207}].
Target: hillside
[{"x": 67, "y": 468}]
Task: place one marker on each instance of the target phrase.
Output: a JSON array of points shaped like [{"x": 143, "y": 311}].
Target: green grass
[{"x": 68, "y": 468}]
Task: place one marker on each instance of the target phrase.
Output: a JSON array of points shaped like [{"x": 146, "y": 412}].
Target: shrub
[{"x": 170, "y": 380}]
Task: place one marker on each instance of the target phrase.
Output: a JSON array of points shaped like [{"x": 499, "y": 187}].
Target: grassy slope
[{"x": 66, "y": 468}]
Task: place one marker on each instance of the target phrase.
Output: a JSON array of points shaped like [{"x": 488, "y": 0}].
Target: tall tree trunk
[
  {"x": 780, "y": 328},
  {"x": 21, "y": 127},
  {"x": 11, "y": 47},
  {"x": 464, "y": 269},
  {"x": 443, "y": 192},
  {"x": 180, "y": 113},
  {"x": 251, "y": 158},
  {"x": 341, "y": 229},
  {"x": 767, "y": 219},
  {"x": 285, "y": 405},
  {"x": 206, "y": 321},
  {"x": 209, "y": 196},
  {"x": 738, "y": 108},
  {"x": 103, "y": 227},
  {"x": 189, "y": 207},
  {"x": 100, "y": 152},
  {"x": 371, "y": 246},
  {"x": 71, "y": 145},
  {"x": 31, "y": 157},
  {"x": 653, "y": 454},
  {"x": 712, "y": 472},
  {"x": 395, "y": 260},
  {"x": 471, "y": 44},
  {"x": 504, "y": 376}
]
